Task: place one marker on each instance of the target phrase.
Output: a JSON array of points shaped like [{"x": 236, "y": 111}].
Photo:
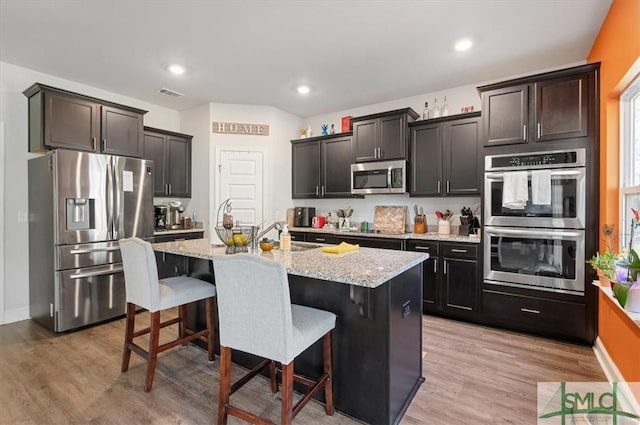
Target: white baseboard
[
  {"x": 613, "y": 375},
  {"x": 16, "y": 315}
]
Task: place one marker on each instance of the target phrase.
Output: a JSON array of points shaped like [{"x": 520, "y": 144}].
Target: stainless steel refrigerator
[{"x": 80, "y": 204}]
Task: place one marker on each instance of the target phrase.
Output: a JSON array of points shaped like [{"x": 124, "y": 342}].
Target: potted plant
[{"x": 605, "y": 265}]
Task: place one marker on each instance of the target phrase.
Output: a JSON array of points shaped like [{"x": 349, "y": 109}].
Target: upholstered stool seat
[
  {"x": 144, "y": 289},
  {"x": 256, "y": 316}
]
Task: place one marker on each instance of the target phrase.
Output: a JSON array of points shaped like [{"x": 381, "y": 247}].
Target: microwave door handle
[{"x": 389, "y": 179}]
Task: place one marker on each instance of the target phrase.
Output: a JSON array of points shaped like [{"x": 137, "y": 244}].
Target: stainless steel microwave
[{"x": 379, "y": 177}]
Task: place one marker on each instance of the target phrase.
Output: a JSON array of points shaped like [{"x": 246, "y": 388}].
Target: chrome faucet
[{"x": 275, "y": 225}]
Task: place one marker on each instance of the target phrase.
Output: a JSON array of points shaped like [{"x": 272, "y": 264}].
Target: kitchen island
[{"x": 376, "y": 295}]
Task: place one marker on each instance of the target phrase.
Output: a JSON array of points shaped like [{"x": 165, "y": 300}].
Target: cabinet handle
[
  {"x": 460, "y": 306},
  {"x": 438, "y": 186},
  {"x": 524, "y": 132},
  {"x": 104, "y": 144},
  {"x": 459, "y": 250},
  {"x": 322, "y": 190},
  {"x": 539, "y": 130},
  {"x": 435, "y": 266},
  {"x": 169, "y": 188},
  {"x": 93, "y": 143},
  {"x": 422, "y": 248},
  {"x": 379, "y": 153},
  {"x": 320, "y": 239},
  {"x": 375, "y": 153},
  {"x": 316, "y": 190},
  {"x": 448, "y": 186},
  {"x": 444, "y": 269},
  {"x": 529, "y": 310}
]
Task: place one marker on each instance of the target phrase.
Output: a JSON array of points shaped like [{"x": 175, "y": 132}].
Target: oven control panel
[{"x": 555, "y": 159}]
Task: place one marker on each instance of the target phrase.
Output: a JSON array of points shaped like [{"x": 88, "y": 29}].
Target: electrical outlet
[
  {"x": 22, "y": 216},
  {"x": 406, "y": 309}
]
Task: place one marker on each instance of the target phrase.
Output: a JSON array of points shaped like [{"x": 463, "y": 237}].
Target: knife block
[{"x": 463, "y": 230}]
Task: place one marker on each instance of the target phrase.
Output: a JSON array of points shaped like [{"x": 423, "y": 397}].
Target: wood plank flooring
[{"x": 474, "y": 375}]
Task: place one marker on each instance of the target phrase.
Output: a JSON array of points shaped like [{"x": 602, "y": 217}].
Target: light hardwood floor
[{"x": 474, "y": 375}]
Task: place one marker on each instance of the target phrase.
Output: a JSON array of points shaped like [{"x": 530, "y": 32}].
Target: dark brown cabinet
[
  {"x": 171, "y": 156},
  {"x": 62, "y": 119},
  {"x": 321, "y": 167},
  {"x": 553, "y": 106},
  {"x": 382, "y": 136},
  {"x": 449, "y": 278},
  {"x": 444, "y": 156},
  {"x": 170, "y": 265}
]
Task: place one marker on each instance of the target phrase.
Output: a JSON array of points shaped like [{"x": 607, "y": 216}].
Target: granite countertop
[
  {"x": 176, "y": 231},
  {"x": 433, "y": 236},
  {"x": 367, "y": 267}
]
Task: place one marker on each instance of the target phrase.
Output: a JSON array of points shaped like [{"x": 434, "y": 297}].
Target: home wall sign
[{"x": 240, "y": 128}]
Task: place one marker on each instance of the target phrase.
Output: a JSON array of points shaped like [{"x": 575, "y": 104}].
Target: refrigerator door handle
[
  {"x": 109, "y": 200},
  {"x": 117, "y": 218},
  {"x": 105, "y": 272}
]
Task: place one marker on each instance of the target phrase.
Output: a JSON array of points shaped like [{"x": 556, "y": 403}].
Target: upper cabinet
[
  {"x": 558, "y": 105},
  {"x": 382, "y": 136},
  {"x": 171, "y": 156},
  {"x": 62, "y": 119},
  {"x": 444, "y": 156},
  {"x": 321, "y": 167}
]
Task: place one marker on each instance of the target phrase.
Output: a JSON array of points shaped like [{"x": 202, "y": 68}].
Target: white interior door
[{"x": 241, "y": 179}]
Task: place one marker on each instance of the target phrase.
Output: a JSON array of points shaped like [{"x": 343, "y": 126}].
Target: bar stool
[
  {"x": 145, "y": 290},
  {"x": 255, "y": 315}
]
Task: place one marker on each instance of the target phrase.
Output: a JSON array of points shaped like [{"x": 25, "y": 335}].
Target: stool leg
[
  {"x": 182, "y": 328},
  {"x": 287, "y": 394},
  {"x": 274, "y": 378},
  {"x": 128, "y": 335},
  {"x": 154, "y": 341},
  {"x": 211, "y": 335},
  {"x": 327, "y": 342},
  {"x": 225, "y": 384}
]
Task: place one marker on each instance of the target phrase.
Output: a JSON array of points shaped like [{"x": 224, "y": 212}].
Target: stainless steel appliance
[
  {"x": 80, "y": 204},
  {"x": 379, "y": 177},
  {"x": 538, "y": 246},
  {"x": 160, "y": 217},
  {"x": 303, "y": 216},
  {"x": 175, "y": 217}
]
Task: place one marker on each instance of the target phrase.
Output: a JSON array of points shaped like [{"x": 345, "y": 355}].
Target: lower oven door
[
  {"x": 546, "y": 259},
  {"x": 89, "y": 295}
]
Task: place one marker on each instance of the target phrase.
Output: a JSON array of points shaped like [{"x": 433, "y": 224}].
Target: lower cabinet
[
  {"x": 372, "y": 242},
  {"x": 449, "y": 278}
]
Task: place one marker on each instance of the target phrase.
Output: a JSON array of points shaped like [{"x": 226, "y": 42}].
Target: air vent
[{"x": 170, "y": 92}]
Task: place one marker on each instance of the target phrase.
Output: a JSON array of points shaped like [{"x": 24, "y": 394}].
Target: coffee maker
[
  {"x": 175, "y": 217},
  {"x": 160, "y": 217}
]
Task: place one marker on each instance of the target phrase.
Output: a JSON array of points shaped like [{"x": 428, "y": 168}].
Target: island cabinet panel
[
  {"x": 555, "y": 106},
  {"x": 170, "y": 265},
  {"x": 444, "y": 156},
  {"x": 171, "y": 156},
  {"x": 382, "y": 136},
  {"x": 377, "y": 341},
  {"x": 63, "y": 119},
  {"x": 321, "y": 167}
]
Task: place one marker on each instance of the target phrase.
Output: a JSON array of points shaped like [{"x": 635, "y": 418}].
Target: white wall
[
  {"x": 13, "y": 112},
  {"x": 277, "y": 148}
]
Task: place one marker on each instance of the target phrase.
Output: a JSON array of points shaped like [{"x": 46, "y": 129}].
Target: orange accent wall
[{"x": 617, "y": 47}]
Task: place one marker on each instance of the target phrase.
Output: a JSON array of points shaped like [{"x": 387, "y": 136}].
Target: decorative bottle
[
  {"x": 445, "y": 108},
  {"x": 333, "y": 130},
  {"x": 425, "y": 112},
  {"x": 436, "y": 109}
]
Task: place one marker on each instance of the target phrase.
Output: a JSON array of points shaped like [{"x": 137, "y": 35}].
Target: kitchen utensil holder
[
  {"x": 444, "y": 227},
  {"x": 463, "y": 230},
  {"x": 420, "y": 224}
]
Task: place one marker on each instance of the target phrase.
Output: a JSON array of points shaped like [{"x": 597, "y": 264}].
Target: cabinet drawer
[
  {"x": 430, "y": 248},
  {"x": 321, "y": 238},
  {"x": 540, "y": 313},
  {"x": 467, "y": 251},
  {"x": 177, "y": 237},
  {"x": 298, "y": 236}
]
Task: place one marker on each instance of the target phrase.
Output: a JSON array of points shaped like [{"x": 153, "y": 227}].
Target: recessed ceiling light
[
  {"x": 176, "y": 69},
  {"x": 463, "y": 44},
  {"x": 303, "y": 89}
]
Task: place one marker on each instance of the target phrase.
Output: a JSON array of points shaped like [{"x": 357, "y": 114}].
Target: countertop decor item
[
  {"x": 324, "y": 130},
  {"x": 390, "y": 219}
]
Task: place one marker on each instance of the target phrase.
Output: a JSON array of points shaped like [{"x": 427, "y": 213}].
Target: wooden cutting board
[{"x": 390, "y": 219}]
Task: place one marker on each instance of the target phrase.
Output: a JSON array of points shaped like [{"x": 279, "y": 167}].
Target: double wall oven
[{"x": 534, "y": 244}]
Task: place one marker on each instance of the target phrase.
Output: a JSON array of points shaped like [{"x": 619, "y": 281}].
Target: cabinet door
[
  {"x": 505, "y": 115},
  {"x": 393, "y": 137},
  {"x": 426, "y": 160},
  {"x": 178, "y": 152},
  {"x": 365, "y": 140},
  {"x": 70, "y": 122},
  {"x": 122, "y": 132},
  {"x": 336, "y": 168},
  {"x": 561, "y": 107},
  {"x": 429, "y": 274},
  {"x": 305, "y": 169},
  {"x": 461, "y": 157},
  {"x": 154, "y": 150},
  {"x": 460, "y": 281}
]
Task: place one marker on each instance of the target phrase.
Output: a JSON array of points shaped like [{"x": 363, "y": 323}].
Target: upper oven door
[
  {"x": 539, "y": 259},
  {"x": 567, "y": 208}
]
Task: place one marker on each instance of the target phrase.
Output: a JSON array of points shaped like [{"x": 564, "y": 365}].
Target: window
[{"x": 630, "y": 160}]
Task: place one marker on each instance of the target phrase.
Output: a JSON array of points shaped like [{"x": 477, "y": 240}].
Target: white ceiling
[{"x": 352, "y": 53}]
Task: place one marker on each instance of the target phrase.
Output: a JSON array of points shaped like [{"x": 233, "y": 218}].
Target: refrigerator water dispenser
[{"x": 79, "y": 213}]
